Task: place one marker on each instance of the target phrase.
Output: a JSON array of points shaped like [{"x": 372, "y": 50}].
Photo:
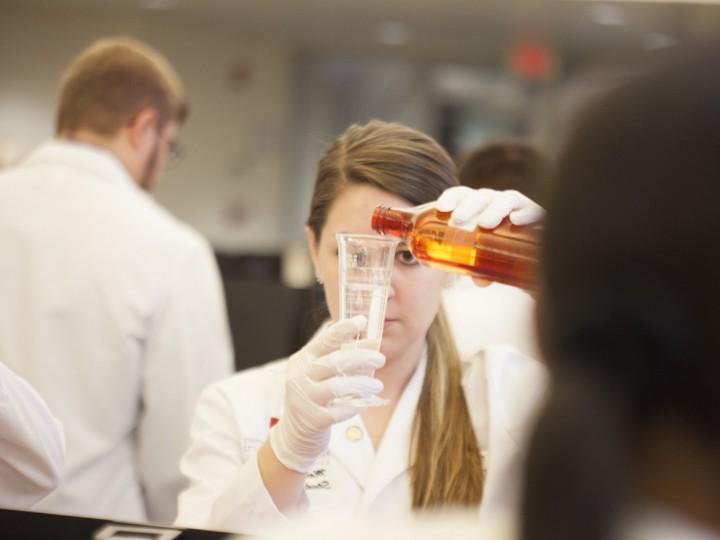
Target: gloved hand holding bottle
[
  {"x": 488, "y": 207},
  {"x": 463, "y": 231}
]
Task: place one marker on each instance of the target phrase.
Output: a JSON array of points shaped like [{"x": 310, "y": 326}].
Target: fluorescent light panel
[{"x": 691, "y": 2}]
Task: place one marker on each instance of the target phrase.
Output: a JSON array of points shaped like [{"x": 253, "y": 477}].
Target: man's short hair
[
  {"x": 112, "y": 80},
  {"x": 505, "y": 164}
]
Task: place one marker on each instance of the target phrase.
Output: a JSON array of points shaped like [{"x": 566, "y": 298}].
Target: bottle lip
[
  {"x": 378, "y": 218},
  {"x": 391, "y": 221}
]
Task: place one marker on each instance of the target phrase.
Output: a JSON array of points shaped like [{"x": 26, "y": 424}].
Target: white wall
[{"x": 230, "y": 185}]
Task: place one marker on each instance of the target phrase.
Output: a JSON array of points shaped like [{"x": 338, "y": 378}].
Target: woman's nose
[{"x": 391, "y": 289}]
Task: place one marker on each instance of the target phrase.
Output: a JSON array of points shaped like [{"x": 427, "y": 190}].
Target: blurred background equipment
[{"x": 272, "y": 83}]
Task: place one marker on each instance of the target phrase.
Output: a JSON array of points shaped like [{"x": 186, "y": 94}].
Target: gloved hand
[
  {"x": 318, "y": 373},
  {"x": 487, "y": 207}
]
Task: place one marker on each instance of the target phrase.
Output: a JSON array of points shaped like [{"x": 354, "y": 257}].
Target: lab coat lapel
[
  {"x": 354, "y": 454},
  {"x": 393, "y": 455}
]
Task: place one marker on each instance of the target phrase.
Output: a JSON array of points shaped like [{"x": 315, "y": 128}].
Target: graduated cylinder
[{"x": 506, "y": 254}]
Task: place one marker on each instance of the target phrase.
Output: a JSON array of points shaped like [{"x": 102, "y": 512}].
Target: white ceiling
[{"x": 463, "y": 31}]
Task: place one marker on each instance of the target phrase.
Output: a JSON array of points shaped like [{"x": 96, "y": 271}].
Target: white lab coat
[
  {"x": 484, "y": 317},
  {"x": 114, "y": 312},
  {"x": 32, "y": 445},
  {"x": 233, "y": 419}
]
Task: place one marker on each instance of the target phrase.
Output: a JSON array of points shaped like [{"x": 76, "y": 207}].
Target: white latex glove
[
  {"x": 318, "y": 373},
  {"x": 487, "y": 207}
]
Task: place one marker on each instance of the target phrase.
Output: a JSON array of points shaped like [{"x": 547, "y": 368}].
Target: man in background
[
  {"x": 498, "y": 314},
  {"x": 111, "y": 308}
]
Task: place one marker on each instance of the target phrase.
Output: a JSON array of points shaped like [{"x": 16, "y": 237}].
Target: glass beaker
[{"x": 365, "y": 264}]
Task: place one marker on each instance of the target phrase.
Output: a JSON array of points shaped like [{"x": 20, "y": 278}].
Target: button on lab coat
[
  {"x": 32, "y": 446},
  {"x": 234, "y": 417},
  {"x": 113, "y": 311}
]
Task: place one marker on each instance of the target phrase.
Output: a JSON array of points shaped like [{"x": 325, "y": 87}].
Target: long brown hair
[{"x": 446, "y": 465}]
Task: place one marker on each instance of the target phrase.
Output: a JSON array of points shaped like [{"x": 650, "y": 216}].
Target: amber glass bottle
[{"x": 507, "y": 254}]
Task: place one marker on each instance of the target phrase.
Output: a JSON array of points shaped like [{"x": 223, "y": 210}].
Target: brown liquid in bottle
[{"x": 506, "y": 254}]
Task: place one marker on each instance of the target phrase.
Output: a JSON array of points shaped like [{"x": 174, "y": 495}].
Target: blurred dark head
[
  {"x": 629, "y": 317},
  {"x": 631, "y": 282}
]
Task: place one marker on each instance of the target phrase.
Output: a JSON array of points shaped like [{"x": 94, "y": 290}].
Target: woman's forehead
[
  {"x": 352, "y": 210},
  {"x": 357, "y": 203}
]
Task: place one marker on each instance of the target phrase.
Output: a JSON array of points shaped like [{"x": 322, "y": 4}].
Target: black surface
[
  {"x": 268, "y": 320},
  {"x": 20, "y": 525}
]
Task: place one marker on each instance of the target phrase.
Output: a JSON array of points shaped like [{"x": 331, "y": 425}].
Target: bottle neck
[{"x": 392, "y": 221}]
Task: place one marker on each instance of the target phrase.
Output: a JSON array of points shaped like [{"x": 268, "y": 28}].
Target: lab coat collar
[{"x": 91, "y": 159}]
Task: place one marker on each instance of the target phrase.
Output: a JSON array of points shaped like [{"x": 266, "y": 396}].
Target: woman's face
[{"x": 415, "y": 290}]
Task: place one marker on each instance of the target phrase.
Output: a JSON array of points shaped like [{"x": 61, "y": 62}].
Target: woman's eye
[{"x": 406, "y": 257}]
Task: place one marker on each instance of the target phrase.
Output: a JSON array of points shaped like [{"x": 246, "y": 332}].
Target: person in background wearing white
[
  {"x": 111, "y": 308},
  {"x": 32, "y": 445},
  {"x": 498, "y": 314},
  {"x": 268, "y": 446}
]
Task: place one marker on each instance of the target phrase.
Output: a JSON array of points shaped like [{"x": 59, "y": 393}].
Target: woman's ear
[{"x": 313, "y": 241}]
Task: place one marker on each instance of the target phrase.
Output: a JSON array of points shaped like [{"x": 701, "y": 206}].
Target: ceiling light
[
  {"x": 711, "y": 2},
  {"x": 658, "y": 40},
  {"x": 392, "y": 33},
  {"x": 607, "y": 14},
  {"x": 159, "y": 4}
]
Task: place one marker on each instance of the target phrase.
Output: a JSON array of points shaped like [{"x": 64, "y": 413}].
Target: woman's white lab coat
[
  {"x": 32, "y": 446},
  {"x": 234, "y": 416}
]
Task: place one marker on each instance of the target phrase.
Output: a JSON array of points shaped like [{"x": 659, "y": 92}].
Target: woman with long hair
[{"x": 267, "y": 445}]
